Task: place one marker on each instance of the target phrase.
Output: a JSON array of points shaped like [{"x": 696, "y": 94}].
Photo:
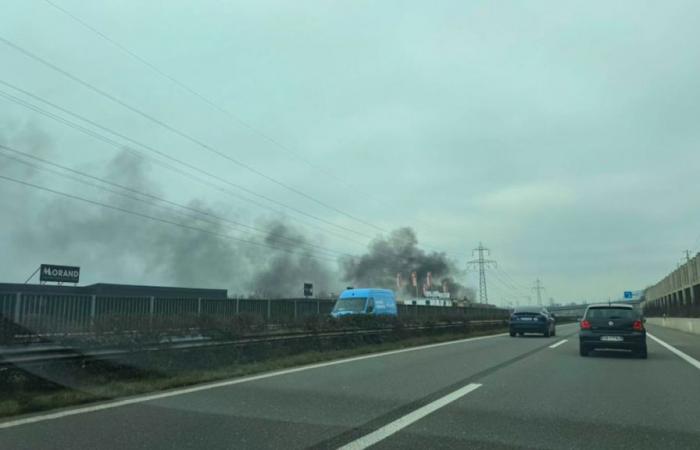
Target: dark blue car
[{"x": 532, "y": 319}]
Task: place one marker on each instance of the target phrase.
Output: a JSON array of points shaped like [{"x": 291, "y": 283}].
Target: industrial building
[{"x": 114, "y": 290}]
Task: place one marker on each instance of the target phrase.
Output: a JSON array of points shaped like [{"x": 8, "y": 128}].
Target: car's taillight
[
  {"x": 585, "y": 325},
  {"x": 637, "y": 325}
]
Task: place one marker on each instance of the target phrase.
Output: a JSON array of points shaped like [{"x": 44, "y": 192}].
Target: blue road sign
[{"x": 629, "y": 295}]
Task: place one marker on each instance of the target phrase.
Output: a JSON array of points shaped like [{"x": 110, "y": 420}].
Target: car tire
[
  {"x": 512, "y": 334},
  {"x": 546, "y": 333},
  {"x": 554, "y": 331},
  {"x": 642, "y": 352},
  {"x": 583, "y": 351}
]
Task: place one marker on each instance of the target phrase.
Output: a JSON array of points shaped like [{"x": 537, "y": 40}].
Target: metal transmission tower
[
  {"x": 482, "y": 264},
  {"x": 539, "y": 288}
]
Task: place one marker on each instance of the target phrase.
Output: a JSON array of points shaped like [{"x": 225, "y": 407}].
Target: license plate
[
  {"x": 611, "y": 338},
  {"x": 526, "y": 318}
]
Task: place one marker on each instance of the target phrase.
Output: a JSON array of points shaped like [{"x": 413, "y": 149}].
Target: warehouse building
[{"x": 114, "y": 290}]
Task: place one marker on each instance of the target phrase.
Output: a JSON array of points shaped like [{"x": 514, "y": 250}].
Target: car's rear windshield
[
  {"x": 527, "y": 311},
  {"x": 611, "y": 313}
]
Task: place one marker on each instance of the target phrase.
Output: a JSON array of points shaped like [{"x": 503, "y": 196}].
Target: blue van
[{"x": 376, "y": 302}]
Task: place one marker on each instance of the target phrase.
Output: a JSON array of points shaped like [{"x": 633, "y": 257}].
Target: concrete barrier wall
[
  {"x": 679, "y": 323},
  {"x": 678, "y": 294}
]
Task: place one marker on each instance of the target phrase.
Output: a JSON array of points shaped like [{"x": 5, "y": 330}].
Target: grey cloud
[{"x": 562, "y": 135}]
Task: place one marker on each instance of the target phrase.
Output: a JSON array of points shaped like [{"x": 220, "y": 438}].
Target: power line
[
  {"x": 277, "y": 239},
  {"x": 503, "y": 294},
  {"x": 187, "y": 137},
  {"x": 220, "y": 220},
  {"x": 504, "y": 282},
  {"x": 202, "y": 97},
  {"x": 205, "y": 99},
  {"x": 514, "y": 290},
  {"x": 156, "y": 219},
  {"x": 151, "y": 149},
  {"x": 512, "y": 280},
  {"x": 194, "y": 140},
  {"x": 500, "y": 275},
  {"x": 182, "y": 134}
]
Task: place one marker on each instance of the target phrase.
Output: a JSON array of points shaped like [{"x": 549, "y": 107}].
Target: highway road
[{"x": 491, "y": 392}]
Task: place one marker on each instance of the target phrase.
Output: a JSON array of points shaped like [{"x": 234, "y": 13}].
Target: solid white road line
[
  {"x": 399, "y": 424},
  {"x": 689, "y": 359},
  {"x": 558, "y": 343},
  {"x": 204, "y": 387}
]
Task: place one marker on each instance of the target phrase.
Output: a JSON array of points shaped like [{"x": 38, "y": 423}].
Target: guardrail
[
  {"x": 40, "y": 353},
  {"x": 568, "y": 312},
  {"x": 32, "y": 315}
]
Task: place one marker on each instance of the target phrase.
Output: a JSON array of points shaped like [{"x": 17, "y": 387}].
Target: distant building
[
  {"x": 116, "y": 290},
  {"x": 431, "y": 298}
]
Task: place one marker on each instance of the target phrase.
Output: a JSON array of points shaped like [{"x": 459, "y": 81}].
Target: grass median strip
[{"x": 97, "y": 387}]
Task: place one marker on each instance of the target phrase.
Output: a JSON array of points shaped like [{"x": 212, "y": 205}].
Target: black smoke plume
[
  {"x": 399, "y": 254},
  {"x": 114, "y": 247}
]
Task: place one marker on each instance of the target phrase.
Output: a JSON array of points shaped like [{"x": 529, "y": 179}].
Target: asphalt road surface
[{"x": 493, "y": 392}]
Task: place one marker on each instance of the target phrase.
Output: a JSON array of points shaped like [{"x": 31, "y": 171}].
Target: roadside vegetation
[{"x": 60, "y": 384}]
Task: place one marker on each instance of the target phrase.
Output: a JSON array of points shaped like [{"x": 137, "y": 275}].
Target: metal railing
[
  {"x": 39, "y": 354},
  {"x": 32, "y": 314}
]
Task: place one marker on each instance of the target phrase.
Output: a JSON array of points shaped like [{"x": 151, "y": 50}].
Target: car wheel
[
  {"x": 583, "y": 351},
  {"x": 642, "y": 353},
  {"x": 546, "y": 332},
  {"x": 554, "y": 331},
  {"x": 512, "y": 334}
]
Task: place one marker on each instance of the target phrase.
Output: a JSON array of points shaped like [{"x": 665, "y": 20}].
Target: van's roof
[{"x": 364, "y": 292}]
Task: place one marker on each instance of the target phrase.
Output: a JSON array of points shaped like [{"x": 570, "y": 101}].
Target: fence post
[
  {"x": 18, "y": 306},
  {"x": 238, "y": 301},
  {"x": 318, "y": 306},
  {"x": 295, "y": 309},
  {"x": 93, "y": 307},
  {"x": 269, "y": 301},
  {"x": 199, "y": 306},
  {"x": 151, "y": 308}
]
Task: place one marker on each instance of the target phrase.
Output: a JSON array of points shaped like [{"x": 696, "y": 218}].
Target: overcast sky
[{"x": 564, "y": 135}]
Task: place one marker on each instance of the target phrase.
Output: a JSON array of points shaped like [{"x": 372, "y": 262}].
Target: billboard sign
[
  {"x": 61, "y": 274},
  {"x": 308, "y": 290}
]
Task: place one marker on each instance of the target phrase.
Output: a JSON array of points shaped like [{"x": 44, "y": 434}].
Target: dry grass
[{"x": 22, "y": 401}]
